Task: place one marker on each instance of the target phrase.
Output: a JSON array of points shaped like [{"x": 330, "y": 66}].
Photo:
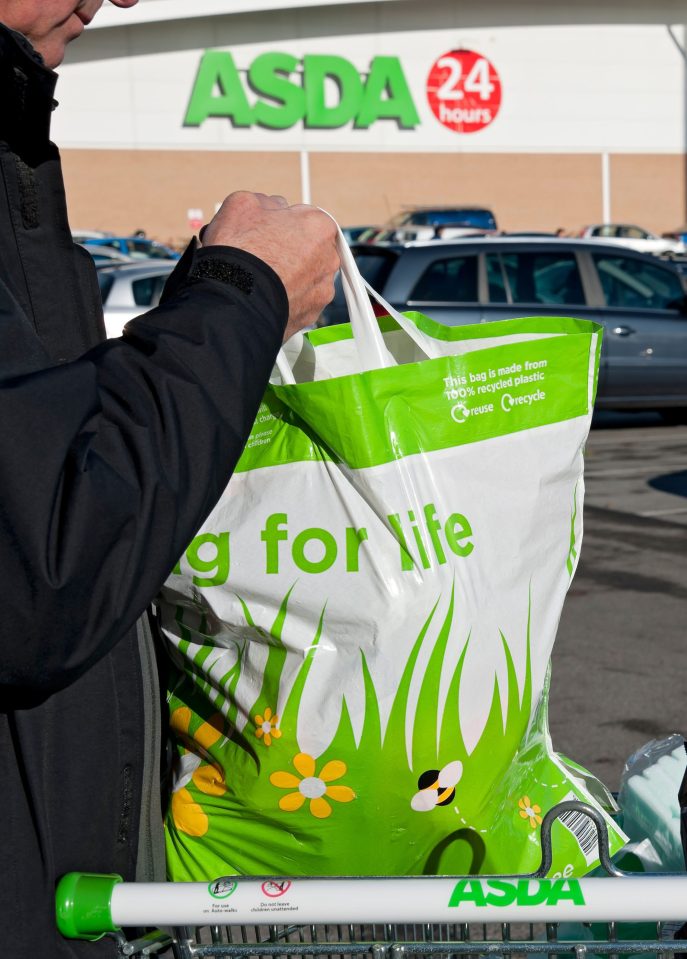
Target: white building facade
[{"x": 552, "y": 115}]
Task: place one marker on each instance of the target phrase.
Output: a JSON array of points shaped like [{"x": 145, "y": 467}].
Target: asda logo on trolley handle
[
  {"x": 278, "y": 90},
  {"x": 519, "y": 892}
]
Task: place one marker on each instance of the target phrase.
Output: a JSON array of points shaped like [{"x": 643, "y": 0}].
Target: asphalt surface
[{"x": 620, "y": 659}]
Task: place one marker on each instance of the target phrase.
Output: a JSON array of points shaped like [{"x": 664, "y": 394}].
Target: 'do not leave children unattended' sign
[{"x": 279, "y": 90}]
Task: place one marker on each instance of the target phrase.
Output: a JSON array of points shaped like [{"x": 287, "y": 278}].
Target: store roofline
[
  {"x": 154, "y": 12},
  {"x": 535, "y": 12}
]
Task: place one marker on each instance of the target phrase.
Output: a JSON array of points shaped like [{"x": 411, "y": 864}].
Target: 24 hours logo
[{"x": 464, "y": 91}]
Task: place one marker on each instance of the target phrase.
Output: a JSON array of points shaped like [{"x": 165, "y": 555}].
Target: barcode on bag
[{"x": 584, "y": 831}]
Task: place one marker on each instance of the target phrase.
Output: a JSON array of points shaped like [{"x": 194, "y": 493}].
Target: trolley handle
[{"x": 90, "y": 906}]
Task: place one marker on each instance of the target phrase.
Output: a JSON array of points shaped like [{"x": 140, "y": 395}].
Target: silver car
[
  {"x": 131, "y": 289},
  {"x": 639, "y": 299}
]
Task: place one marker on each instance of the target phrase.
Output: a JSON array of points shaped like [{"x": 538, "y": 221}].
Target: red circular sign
[
  {"x": 464, "y": 91},
  {"x": 274, "y": 889}
]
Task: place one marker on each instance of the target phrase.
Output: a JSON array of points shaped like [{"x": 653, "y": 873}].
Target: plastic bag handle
[
  {"x": 285, "y": 371},
  {"x": 370, "y": 346},
  {"x": 369, "y": 342},
  {"x": 424, "y": 343}
]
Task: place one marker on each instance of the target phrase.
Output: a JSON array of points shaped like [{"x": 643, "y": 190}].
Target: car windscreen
[
  {"x": 105, "y": 282},
  {"x": 477, "y": 219},
  {"x": 149, "y": 249},
  {"x": 375, "y": 265}
]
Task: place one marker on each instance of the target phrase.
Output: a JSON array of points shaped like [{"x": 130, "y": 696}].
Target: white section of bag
[
  {"x": 520, "y": 539},
  {"x": 339, "y": 358}
]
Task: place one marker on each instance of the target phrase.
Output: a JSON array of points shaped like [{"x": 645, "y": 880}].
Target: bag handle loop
[{"x": 371, "y": 349}]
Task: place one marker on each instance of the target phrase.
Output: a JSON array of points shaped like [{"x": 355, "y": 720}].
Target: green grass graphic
[{"x": 383, "y": 765}]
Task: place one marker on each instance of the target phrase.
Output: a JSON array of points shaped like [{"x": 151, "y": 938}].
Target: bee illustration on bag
[{"x": 437, "y": 787}]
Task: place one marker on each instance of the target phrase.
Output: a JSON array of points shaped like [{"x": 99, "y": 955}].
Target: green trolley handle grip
[{"x": 82, "y": 902}]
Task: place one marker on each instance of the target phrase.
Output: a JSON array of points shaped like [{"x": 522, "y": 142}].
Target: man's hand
[{"x": 298, "y": 242}]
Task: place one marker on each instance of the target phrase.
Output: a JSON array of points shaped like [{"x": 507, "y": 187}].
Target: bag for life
[{"x": 362, "y": 628}]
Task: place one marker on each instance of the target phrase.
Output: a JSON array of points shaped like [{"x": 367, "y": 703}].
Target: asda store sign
[{"x": 279, "y": 90}]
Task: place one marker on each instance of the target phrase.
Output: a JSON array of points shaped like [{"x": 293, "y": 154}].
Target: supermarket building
[{"x": 552, "y": 114}]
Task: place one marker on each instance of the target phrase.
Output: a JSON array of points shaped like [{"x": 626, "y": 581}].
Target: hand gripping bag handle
[{"x": 370, "y": 346}]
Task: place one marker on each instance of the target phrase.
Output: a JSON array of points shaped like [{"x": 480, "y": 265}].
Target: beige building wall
[
  {"x": 525, "y": 191},
  {"x": 124, "y": 190},
  {"x": 649, "y": 190}
]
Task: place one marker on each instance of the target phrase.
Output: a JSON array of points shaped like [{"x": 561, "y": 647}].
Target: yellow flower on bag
[
  {"x": 530, "y": 810},
  {"x": 194, "y": 766},
  {"x": 311, "y": 786},
  {"x": 267, "y": 727}
]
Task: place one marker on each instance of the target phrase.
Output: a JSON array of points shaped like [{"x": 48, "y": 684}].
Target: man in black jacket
[{"x": 113, "y": 453}]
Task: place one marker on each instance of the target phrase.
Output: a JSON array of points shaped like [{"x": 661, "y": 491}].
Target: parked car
[
  {"x": 354, "y": 234},
  {"x": 532, "y": 233},
  {"x": 633, "y": 237},
  {"x": 640, "y": 301},
  {"x": 83, "y": 236},
  {"x": 680, "y": 234},
  {"x": 130, "y": 289},
  {"x": 135, "y": 247},
  {"x": 680, "y": 264},
  {"x": 106, "y": 255},
  {"x": 432, "y": 223}
]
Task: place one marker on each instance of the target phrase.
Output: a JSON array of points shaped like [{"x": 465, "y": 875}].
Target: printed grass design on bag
[{"x": 364, "y": 623}]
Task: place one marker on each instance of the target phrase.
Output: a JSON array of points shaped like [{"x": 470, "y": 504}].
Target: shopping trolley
[{"x": 236, "y": 917}]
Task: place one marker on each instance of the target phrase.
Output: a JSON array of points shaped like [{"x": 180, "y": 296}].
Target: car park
[
  {"x": 436, "y": 222},
  {"x": 130, "y": 289},
  {"x": 134, "y": 247},
  {"x": 639, "y": 300},
  {"x": 633, "y": 237},
  {"x": 679, "y": 235},
  {"x": 84, "y": 236},
  {"x": 680, "y": 264},
  {"x": 106, "y": 255},
  {"x": 354, "y": 234}
]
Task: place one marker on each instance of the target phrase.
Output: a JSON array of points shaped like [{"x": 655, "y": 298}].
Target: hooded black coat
[{"x": 112, "y": 455}]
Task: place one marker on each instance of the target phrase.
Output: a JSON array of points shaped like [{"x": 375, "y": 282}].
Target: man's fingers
[
  {"x": 298, "y": 242},
  {"x": 272, "y": 202}
]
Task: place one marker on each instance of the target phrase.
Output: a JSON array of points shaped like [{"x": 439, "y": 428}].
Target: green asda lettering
[
  {"x": 521, "y": 892},
  {"x": 285, "y": 90},
  {"x": 424, "y": 540}
]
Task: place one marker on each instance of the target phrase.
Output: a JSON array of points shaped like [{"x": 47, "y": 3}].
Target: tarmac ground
[{"x": 619, "y": 666}]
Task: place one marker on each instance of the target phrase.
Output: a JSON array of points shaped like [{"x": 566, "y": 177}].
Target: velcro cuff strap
[{"x": 212, "y": 268}]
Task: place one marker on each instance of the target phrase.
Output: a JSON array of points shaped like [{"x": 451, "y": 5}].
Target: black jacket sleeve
[{"x": 111, "y": 463}]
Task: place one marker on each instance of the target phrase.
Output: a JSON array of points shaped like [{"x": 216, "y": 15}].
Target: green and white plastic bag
[{"x": 363, "y": 625}]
